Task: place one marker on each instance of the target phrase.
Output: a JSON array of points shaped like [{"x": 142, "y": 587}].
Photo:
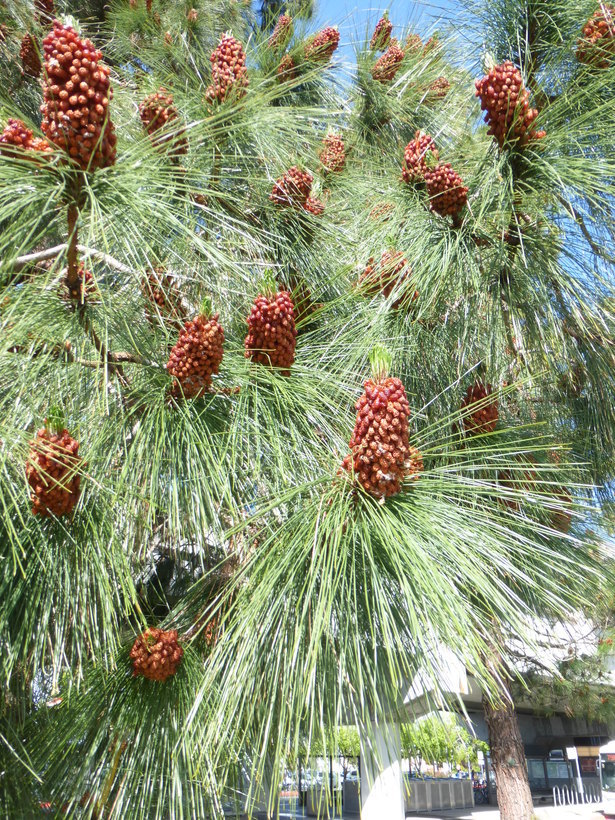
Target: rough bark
[{"x": 508, "y": 758}]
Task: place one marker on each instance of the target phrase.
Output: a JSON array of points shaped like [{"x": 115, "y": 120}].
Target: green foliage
[
  {"x": 303, "y": 603},
  {"x": 440, "y": 738}
]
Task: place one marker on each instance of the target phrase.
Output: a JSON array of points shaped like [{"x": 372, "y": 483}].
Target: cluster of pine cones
[
  {"x": 392, "y": 273},
  {"x": 52, "y": 473},
  {"x": 272, "y": 335},
  {"x": 196, "y": 356},
  {"x": 156, "y": 654},
  {"x": 17, "y": 135},
  {"x": 333, "y": 155},
  {"x": 157, "y": 111},
  {"x": 76, "y": 94},
  {"x": 293, "y": 190},
  {"x": 597, "y": 45},
  {"x": 505, "y": 101},
  {"x": 228, "y": 71},
  {"x": 381, "y": 456},
  {"x": 485, "y": 418},
  {"x": 445, "y": 188}
]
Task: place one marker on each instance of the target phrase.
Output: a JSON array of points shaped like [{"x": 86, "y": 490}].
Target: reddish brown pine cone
[
  {"x": 292, "y": 189},
  {"x": 272, "y": 335},
  {"x": 156, "y": 654},
  {"x": 30, "y": 56},
  {"x": 88, "y": 290},
  {"x": 382, "y": 34},
  {"x": 287, "y": 70},
  {"x": 160, "y": 289},
  {"x": 192, "y": 16},
  {"x": 16, "y": 134},
  {"x": 393, "y": 273},
  {"x": 321, "y": 47},
  {"x": 382, "y": 211},
  {"x": 196, "y": 356},
  {"x": 387, "y": 66},
  {"x": 415, "y": 157},
  {"x": 333, "y": 155},
  {"x": 76, "y": 95},
  {"x": 381, "y": 456},
  {"x": 597, "y": 45},
  {"x": 229, "y": 74},
  {"x": 52, "y": 473},
  {"x": 485, "y": 418},
  {"x": 506, "y": 103},
  {"x": 158, "y": 112},
  {"x": 447, "y": 193},
  {"x": 281, "y": 34},
  {"x": 314, "y": 206},
  {"x": 413, "y": 44},
  {"x": 439, "y": 88}
]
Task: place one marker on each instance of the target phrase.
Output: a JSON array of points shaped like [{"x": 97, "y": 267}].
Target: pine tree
[{"x": 280, "y": 546}]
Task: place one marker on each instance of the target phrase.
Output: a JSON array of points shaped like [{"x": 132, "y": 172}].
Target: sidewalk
[{"x": 489, "y": 813}]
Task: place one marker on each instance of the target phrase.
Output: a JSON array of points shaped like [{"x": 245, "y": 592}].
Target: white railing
[{"x": 566, "y": 796}]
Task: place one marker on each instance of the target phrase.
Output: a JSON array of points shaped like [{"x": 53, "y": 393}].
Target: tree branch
[{"x": 22, "y": 262}]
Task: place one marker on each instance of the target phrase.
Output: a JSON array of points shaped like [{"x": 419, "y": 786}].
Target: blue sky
[{"x": 354, "y": 17}]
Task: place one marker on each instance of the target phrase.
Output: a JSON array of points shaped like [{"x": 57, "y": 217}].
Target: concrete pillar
[{"x": 382, "y": 787}]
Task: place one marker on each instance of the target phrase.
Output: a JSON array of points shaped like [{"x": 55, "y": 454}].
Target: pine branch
[
  {"x": 22, "y": 262},
  {"x": 578, "y": 218}
]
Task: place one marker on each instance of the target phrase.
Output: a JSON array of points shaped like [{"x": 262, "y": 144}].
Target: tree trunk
[{"x": 508, "y": 759}]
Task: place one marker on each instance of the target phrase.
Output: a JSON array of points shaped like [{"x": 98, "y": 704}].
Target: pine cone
[
  {"x": 320, "y": 48},
  {"x": 192, "y": 16},
  {"x": 281, "y": 34},
  {"x": 382, "y": 34},
  {"x": 439, "y": 88},
  {"x": 156, "y": 111},
  {"x": 228, "y": 71},
  {"x": 505, "y": 101},
  {"x": 393, "y": 273},
  {"x": 30, "y": 56},
  {"x": 484, "y": 419},
  {"x": 287, "y": 70},
  {"x": 76, "y": 94},
  {"x": 160, "y": 290},
  {"x": 447, "y": 193},
  {"x": 52, "y": 473},
  {"x": 17, "y": 135},
  {"x": 381, "y": 456},
  {"x": 156, "y": 654},
  {"x": 382, "y": 211},
  {"x": 314, "y": 206},
  {"x": 292, "y": 189},
  {"x": 413, "y": 44},
  {"x": 272, "y": 335},
  {"x": 333, "y": 155},
  {"x": 597, "y": 45},
  {"x": 415, "y": 157},
  {"x": 387, "y": 66},
  {"x": 88, "y": 290},
  {"x": 196, "y": 356}
]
